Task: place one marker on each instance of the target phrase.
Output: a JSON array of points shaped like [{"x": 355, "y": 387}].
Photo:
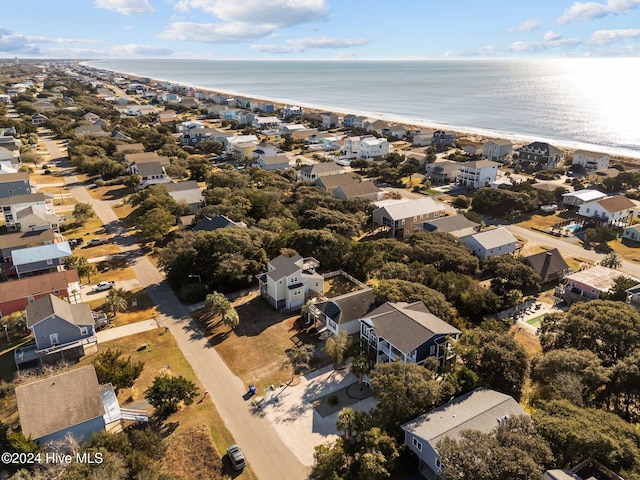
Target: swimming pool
[{"x": 573, "y": 228}]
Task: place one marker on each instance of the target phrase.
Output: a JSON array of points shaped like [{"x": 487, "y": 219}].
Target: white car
[{"x": 100, "y": 287}]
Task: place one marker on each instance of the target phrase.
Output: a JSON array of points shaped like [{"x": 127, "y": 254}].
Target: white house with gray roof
[
  {"x": 577, "y": 198},
  {"x": 312, "y": 172},
  {"x": 403, "y": 217},
  {"x": 492, "y": 242},
  {"x": 343, "y": 313},
  {"x": 289, "y": 281},
  {"x": 481, "y": 409},
  {"x": 590, "y": 161}
]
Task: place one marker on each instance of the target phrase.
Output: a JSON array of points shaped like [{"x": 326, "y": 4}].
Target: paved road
[{"x": 265, "y": 451}]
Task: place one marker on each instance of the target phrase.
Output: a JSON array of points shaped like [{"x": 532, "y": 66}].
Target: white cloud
[
  {"x": 296, "y": 45},
  {"x": 591, "y": 10},
  {"x": 551, "y": 36},
  {"x": 243, "y": 20},
  {"x": 15, "y": 42},
  {"x": 125, "y": 7},
  {"x": 527, "y": 26},
  {"x": 135, "y": 50},
  {"x": 605, "y": 37}
]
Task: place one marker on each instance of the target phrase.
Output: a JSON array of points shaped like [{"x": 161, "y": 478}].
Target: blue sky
[{"x": 321, "y": 29}]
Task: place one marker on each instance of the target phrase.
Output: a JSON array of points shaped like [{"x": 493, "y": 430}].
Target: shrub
[{"x": 333, "y": 400}]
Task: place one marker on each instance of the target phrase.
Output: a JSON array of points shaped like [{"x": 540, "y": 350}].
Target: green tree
[
  {"x": 611, "y": 260},
  {"x": 298, "y": 358},
  {"x": 132, "y": 182},
  {"x": 345, "y": 422},
  {"x": 82, "y": 212},
  {"x": 337, "y": 346},
  {"x": 618, "y": 292},
  {"x": 216, "y": 304},
  {"x": 116, "y": 300},
  {"x": 231, "y": 318},
  {"x": 331, "y": 461},
  {"x": 81, "y": 264},
  {"x": 360, "y": 367},
  {"x": 155, "y": 224},
  {"x": 166, "y": 392},
  {"x": 111, "y": 367}
]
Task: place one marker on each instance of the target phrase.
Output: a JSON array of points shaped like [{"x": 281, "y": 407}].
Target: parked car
[
  {"x": 96, "y": 241},
  {"x": 237, "y": 457},
  {"x": 102, "y": 286}
]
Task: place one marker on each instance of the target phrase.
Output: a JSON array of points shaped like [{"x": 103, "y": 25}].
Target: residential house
[
  {"x": 10, "y": 158},
  {"x": 243, "y": 150},
  {"x": 540, "y": 155},
  {"x": 130, "y": 147},
  {"x": 291, "y": 128},
  {"x": 39, "y": 119},
  {"x": 11, "y": 242},
  {"x": 351, "y": 146},
  {"x": 16, "y": 203},
  {"x": 209, "y": 224},
  {"x": 546, "y": 186},
  {"x": 61, "y": 331},
  {"x": 10, "y": 143},
  {"x": 579, "y": 197},
  {"x": 317, "y": 170},
  {"x": 632, "y": 232},
  {"x": 477, "y": 174},
  {"x": 15, "y": 295},
  {"x": 490, "y": 243},
  {"x": 442, "y": 172},
  {"x": 347, "y": 121},
  {"x": 330, "y": 182},
  {"x": 457, "y": 225},
  {"x": 304, "y": 134},
  {"x": 188, "y": 192},
  {"x": 472, "y": 149},
  {"x": 423, "y": 138},
  {"x": 443, "y": 140},
  {"x": 588, "y": 284},
  {"x": 231, "y": 142},
  {"x": 360, "y": 189},
  {"x": 408, "y": 333},
  {"x": 91, "y": 117},
  {"x": 289, "y": 281},
  {"x": 267, "y": 124},
  {"x": 265, "y": 149},
  {"x": 49, "y": 412},
  {"x": 343, "y": 313},
  {"x": 329, "y": 120},
  {"x": 633, "y": 297},
  {"x": 587, "y": 469},
  {"x": 16, "y": 184},
  {"x": 396, "y": 131},
  {"x": 168, "y": 116},
  {"x": 373, "y": 125},
  {"x": 42, "y": 258},
  {"x": 361, "y": 121},
  {"x": 276, "y": 162},
  {"x": 497, "y": 150},
  {"x": 36, "y": 218},
  {"x": 138, "y": 158},
  {"x": 291, "y": 111},
  {"x": 152, "y": 173},
  {"x": 43, "y": 105},
  {"x": 403, "y": 217},
  {"x": 371, "y": 147},
  {"x": 481, "y": 409},
  {"x": 549, "y": 265},
  {"x": 617, "y": 210},
  {"x": 590, "y": 161}
]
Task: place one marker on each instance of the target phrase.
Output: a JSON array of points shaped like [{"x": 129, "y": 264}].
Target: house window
[
  {"x": 438, "y": 464},
  {"x": 432, "y": 350},
  {"x": 53, "y": 338},
  {"x": 416, "y": 443},
  {"x": 84, "y": 331},
  {"x": 49, "y": 261},
  {"x": 30, "y": 299}
]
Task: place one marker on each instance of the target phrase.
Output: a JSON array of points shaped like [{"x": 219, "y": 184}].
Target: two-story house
[
  {"x": 16, "y": 184},
  {"x": 549, "y": 265},
  {"x": 343, "y": 313},
  {"x": 15, "y": 203},
  {"x": 588, "y": 284},
  {"x": 497, "y": 150},
  {"x": 312, "y": 172},
  {"x": 579, "y": 197},
  {"x": 408, "y": 333},
  {"x": 329, "y": 120},
  {"x": 481, "y": 409},
  {"x": 590, "y": 161},
  {"x": 61, "y": 331},
  {"x": 442, "y": 172},
  {"x": 616, "y": 210},
  {"x": 152, "y": 173},
  {"x": 42, "y": 258},
  {"x": 540, "y": 155},
  {"x": 403, "y": 217},
  {"x": 371, "y": 147},
  {"x": 289, "y": 281},
  {"x": 477, "y": 174}
]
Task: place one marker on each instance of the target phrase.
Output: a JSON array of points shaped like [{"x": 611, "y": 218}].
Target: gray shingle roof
[
  {"x": 76, "y": 313},
  {"x": 283, "y": 266},
  {"x": 348, "y": 307}
]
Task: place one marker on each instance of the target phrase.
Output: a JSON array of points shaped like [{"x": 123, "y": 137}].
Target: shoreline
[{"x": 469, "y": 134}]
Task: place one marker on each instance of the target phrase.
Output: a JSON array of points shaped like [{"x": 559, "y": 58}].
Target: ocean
[{"x": 577, "y": 103}]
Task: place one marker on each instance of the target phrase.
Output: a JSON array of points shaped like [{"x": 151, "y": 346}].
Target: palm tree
[
  {"x": 116, "y": 300},
  {"x": 360, "y": 367},
  {"x": 217, "y": 304},
  {"x": 231, "y": 318},
  {"x": 346, "y": 421},
  {"x": 298, "y": 357}
]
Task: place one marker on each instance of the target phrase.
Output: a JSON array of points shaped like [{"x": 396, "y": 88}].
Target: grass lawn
[
  {"x": 111, "y": 192},
  {"x": 339, "y": 285},
  {"x": 124, "y": 212},
  {"x": 255, "y": 350},
  {"x": 527, "y": 339},
  {"x": 93, "y": 227},
  {"x": 196, "y": 425},
  {"x": 627, "y": 250},
  {"x": 541, "y": 222},
  {"x": 145, "y": 309}
]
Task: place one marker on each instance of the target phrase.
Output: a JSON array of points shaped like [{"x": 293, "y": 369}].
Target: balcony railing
[{"x": 31, "y": 352}]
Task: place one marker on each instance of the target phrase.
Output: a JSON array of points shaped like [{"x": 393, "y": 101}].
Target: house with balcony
[
  {"x": 407, "y": 333},
  {"x": 290, "y": 281},
  {"x": 403, "y": 217},
  {"x": 15, "y": 203},
  {"x": 477, "y": 174},
  {"x": 152, "y": 173},
  {"x": 442, "y": 172},
  {"x": 590, "y": 161},
  {"x": 42, "y": 258},
  {"x": 498, "y": 241},
  {"x": 267, "y": 124},
  {"x": 497, "y": 150},
  {"x": 588, "y": 284},
  {"x": 632, "y": 232},
  {"x": 61, "y": 331},
  {"x": 15, "y": 295},
  {"x": 312, "y": 172},
  {"x": 138, "y": 158},
  {"x": 616, "y": 210},
  {"x": 442, "y": 140},
  {"x": 231, "y": 142},
  {"x": 371, "y": 147},
  {"x": 49, "y": 412},
  {"x": 343, "y": 313},
  {"x": 16, "y": 184},
  {"x": 329, "y": 120},
  {"x": 481, "y": 409},
  {"x": 540, "y": 155}
]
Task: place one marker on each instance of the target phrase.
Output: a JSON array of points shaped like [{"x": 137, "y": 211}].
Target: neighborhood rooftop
[
  {"x": 598, "y": 277},
  {"x": 76, "y": 313}
]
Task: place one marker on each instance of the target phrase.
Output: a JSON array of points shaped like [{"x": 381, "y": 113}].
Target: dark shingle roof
[
  {"x": 76, "y": 313},
  {"x": 348, "y": 307},
  {"x": 209, "y": 224},
  {"x": 547, "y": 263},
  {"x": 283, "y": 266}
]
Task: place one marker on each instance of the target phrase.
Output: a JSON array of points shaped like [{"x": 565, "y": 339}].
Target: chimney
[{"x": 547, "y": 258}]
